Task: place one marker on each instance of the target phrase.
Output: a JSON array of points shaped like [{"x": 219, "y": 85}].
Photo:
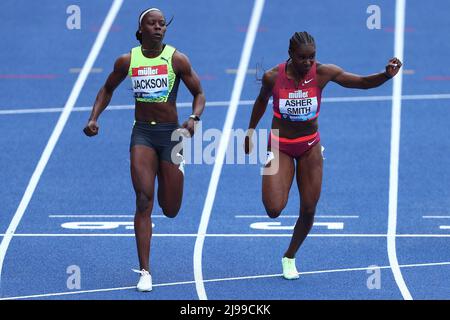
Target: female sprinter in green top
[{"x": 155, "y": 69}]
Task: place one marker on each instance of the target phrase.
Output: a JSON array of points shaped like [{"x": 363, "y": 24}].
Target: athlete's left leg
[
  {"x": 170, "y": 187},
  {"x": 309, "y": 182}
]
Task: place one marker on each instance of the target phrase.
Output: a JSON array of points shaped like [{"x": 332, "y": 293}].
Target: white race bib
[
  {"x": 298, "y": 105},
  {"x": 150, "y": 82}
]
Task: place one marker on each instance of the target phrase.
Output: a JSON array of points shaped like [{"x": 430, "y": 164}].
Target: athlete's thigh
[
  {"x": 309, "y": 175},
  {"x": 277, "y": 179},
  {"x": 144, "y": 166}
]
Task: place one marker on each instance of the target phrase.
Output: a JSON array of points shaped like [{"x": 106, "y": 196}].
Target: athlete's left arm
[
  {"x": 184, "y": 70},
  {"x": 350, "y": 80}
]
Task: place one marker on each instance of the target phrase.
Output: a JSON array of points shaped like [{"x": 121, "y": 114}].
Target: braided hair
[{"x": 300, "y": 38}]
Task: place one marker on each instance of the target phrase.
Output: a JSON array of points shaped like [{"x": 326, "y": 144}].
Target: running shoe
[
  {"x": 289, "y": 270},
  {"x": 145, "y": 281}
]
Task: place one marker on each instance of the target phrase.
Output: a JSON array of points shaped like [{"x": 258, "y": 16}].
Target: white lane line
[
  {"x": 265, "y": 276},
  {"x": 37, "y": 110},
  {"x": 163, "y": 216},
  {"x": 395, "y": 151},
  {"x": 93, "y": 70},
  {"x": 295, "y": 216},
  {"x": 99, "y": 216},
  {"x": 95, "y": 50},
  {"x": 440, "y": 96},
  {"x": 442, "y": 227},
  {"x": 229, "y": 120},
  {"x": 236, "y": 235},
  {"x": 436, "y": 217}
]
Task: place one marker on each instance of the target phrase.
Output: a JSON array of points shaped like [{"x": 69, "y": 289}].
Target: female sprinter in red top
[{"x": 296, "y": 87}]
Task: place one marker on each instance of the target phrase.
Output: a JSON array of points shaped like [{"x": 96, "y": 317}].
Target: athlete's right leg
[
  {"x": 276, "y": 185},
  {"x": 144, "y": 165},
  {"x": 309, "y": 181}
]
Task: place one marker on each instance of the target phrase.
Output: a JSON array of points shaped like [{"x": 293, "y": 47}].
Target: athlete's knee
[
  {"x": 274, "y": 211},
  {"x": 308, "y": 210},
  {"x": 170, "y": 205},
  {"x": 274, "y": 207},
  {"x": 171, "y": 211},
  {"x": 143, "y": 202},
  {"x": 307, "y": 217}
]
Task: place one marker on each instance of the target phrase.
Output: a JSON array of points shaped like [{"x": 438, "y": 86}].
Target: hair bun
[{"x": 139, "y": 36}]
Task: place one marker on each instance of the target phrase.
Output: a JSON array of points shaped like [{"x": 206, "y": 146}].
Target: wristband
[{"x": 193, "y": 116}]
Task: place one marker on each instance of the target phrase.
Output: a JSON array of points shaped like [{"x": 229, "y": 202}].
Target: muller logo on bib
[
  {"x": 149, "y": 71},
  {"x": 298, "y": 94}
]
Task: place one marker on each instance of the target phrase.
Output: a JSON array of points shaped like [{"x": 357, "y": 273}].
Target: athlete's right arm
[
  {"x": 105, "y": 93},
  {"x": 260, "y": 105}
]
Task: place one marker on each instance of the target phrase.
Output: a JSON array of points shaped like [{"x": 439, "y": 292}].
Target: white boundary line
[
  {"x": 95, "y": 50},
  {"x": 400, "y": 7},
  {"x": 244, "y": 216},
  {"x": 225, "y": 279},
  {"x": 100, "y": 216},
  {"x": 439, "y": 96},
  {"x": 231, "y": 113},
  {"x": 236, "y": 235},
  {"x": 436, "y": 217}
]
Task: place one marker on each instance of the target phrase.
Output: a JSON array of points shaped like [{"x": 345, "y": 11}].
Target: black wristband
[{"x": 386, "y": 75}]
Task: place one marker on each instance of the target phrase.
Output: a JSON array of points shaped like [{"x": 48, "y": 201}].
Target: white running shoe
[
  {"x": 145, "y": 281},
  {"x": 289, "y": 270}
]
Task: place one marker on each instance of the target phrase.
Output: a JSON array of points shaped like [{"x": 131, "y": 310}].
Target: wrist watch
[{"x": 195, "y": 117}]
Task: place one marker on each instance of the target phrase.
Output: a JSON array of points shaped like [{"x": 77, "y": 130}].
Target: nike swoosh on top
[
  {"x": 308, "y": 81},
  {"x": 310, "y": 143}
]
